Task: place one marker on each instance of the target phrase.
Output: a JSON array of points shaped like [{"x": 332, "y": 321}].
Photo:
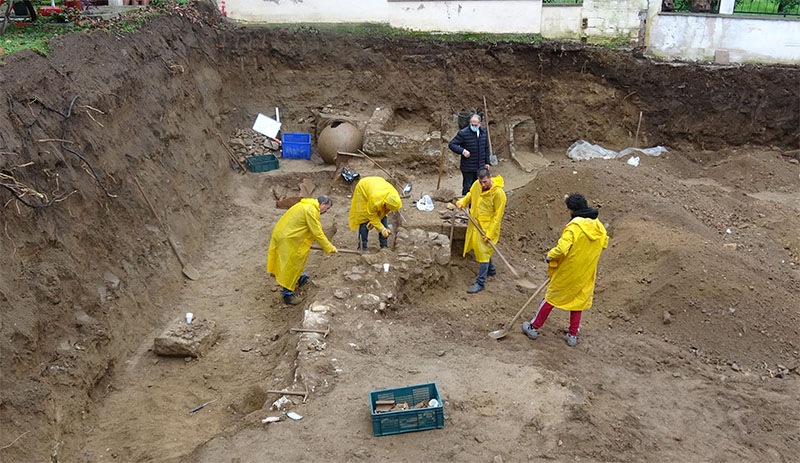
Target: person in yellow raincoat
[
  {"x": 291, "y": 240},
  {"x": 572, "y": 267},
  {"x": 487, "y": 203},
  {"x": 373, "y": 199}
]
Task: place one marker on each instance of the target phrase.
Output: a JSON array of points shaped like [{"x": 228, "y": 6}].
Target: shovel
[
  {"x": 188, "y": 270},
  {"x": 520, "y": 281},
  {"x": 502, "y": 332}
]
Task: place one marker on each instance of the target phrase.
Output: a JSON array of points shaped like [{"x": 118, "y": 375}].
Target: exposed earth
[{"x": 690, "y": 352}]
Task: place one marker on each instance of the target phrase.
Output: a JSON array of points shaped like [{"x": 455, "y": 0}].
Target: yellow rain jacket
[
  {"x": 291, "y": 240},
  {"x": 573, "y": 264},
  {"x": 369, "y": 198},
  {"x": 487, "y": 207}
]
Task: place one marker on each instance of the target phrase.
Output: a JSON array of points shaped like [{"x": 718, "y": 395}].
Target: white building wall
[
  {"x": 561, "y": 22},
  {"x": 724, "y": 39},
  {"x": 501, "y": 17},
  {"x": 613, "y": 18},
  {"x": 491, "y": 16},
  {"x": 305, "y": 11},
  {"x": 691, "y": 37}
]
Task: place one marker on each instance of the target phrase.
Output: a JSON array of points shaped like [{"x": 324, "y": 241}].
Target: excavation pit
[{"x": 79, "y": 381}]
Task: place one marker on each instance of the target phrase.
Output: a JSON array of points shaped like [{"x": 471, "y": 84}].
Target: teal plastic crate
[
  {"x": 262, "y": 162},
  {"x": 296, "y": 145},
  {"x": 420, "y": 419}
]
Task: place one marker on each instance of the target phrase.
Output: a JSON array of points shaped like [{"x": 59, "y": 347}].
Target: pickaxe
[
  {"x": 324, "y": 332},
  {"x": 300, "y": 393}
]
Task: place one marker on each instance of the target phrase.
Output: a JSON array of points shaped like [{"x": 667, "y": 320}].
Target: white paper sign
[{"x": 266, "y": 125}]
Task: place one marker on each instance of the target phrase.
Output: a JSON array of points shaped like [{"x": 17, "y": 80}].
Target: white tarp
[{"x": 582, "y": 150}]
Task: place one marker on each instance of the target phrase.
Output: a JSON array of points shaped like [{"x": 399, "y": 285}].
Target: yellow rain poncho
[
  {"x": 373, "y": 198},
  {"x": 487, "y": 207},
  {"x": 291, "y": 240},
  {"x": 573, "y": 264}
]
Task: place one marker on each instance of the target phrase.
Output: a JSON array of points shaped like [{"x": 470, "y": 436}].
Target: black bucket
[{"x": 463, "y": 118}]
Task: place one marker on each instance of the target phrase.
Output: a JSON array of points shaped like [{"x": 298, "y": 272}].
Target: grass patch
[
  {"x": 37, "y": 36},
  {"x": 33, "y": 37}
]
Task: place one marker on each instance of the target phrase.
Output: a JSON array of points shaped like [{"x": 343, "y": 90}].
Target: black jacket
[{"x": 477, "y": 145}]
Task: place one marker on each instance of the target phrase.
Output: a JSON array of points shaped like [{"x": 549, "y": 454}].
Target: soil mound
[{"x": 693, "y": 260}]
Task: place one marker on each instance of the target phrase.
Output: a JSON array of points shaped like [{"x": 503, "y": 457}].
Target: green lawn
[
  {"x": 33, "y": 37},
  {"x": 791, "y": 7}
]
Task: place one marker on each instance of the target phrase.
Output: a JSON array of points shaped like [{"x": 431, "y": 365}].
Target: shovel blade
[
  {"x": 525, "y": 283},
  {"x": 498, "y": 334},
  {"x": 190, "y": 272}
]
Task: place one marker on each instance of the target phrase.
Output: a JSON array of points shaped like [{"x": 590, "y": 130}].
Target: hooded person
[
  {"x": 487, "y": 204},
  {"x": 373, "y": 199},
  {"x": 572, "y": 267},
  {"x": 291, "y": 240}
]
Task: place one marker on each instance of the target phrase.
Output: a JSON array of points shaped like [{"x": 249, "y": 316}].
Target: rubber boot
[
  {"x": 304, "y": 279},
  {"x": 480, "y": 281},
  {"x": 289, "y": 298}
]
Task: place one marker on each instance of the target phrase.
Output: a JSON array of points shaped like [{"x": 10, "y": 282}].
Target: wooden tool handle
[
  {"x": 160, "y": 223},
  {"x": 527, "y": 303},
  {"x": 344, "y": 251},
  {"x": 505, "y": 261},
  {"x": 486, "y": 119}
]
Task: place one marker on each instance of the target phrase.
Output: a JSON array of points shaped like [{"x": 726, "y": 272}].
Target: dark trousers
[
  {"x": 363, "y": 232},
  {"x": 485, "y": 269},
  {"x": 467, "y": 179}
]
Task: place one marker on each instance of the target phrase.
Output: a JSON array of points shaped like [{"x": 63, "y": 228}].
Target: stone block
[{"x": 187, "y": 340}]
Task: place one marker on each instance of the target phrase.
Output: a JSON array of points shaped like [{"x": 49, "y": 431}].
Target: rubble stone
[{"x": 187, "y": 340}]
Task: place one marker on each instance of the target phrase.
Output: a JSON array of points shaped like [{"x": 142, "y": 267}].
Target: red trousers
[{"x": 544, "y": 312}]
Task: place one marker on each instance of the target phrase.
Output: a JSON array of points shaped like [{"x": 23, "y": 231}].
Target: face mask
[{"x": 474, "y": 128}]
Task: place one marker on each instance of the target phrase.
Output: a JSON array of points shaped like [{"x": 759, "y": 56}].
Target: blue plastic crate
[
  {"x": 262, "y": 162},
  {"x": 419, "y": 419},
  {"x": 296, "y": 145}
]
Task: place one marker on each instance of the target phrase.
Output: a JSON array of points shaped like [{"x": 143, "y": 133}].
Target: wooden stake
[
  {"x": 441, "y": 161},
  {"x": 488, "y": 135},
  {"x": 638, "y": 126}
]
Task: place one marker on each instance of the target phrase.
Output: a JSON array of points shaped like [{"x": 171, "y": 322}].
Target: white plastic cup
[
  {"x": 189, "y": 317},
  {"x": 385, "y": 268}
]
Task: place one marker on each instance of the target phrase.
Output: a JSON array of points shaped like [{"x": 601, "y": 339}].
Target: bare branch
[
  {"x": 91, "y": 169},
  {"x": 45, "y": 140},
  {"x": 92, "y": 118},
  {"x": 14, "y": 441},
  {"x": 69, "y": 112},
  {"x": 93, "y": 109}
]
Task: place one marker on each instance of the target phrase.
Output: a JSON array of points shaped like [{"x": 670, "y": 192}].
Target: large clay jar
[{"x": 339, "y": 136}]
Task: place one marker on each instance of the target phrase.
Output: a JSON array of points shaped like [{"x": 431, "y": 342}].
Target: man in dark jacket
[{"x": 472, "y": 144}]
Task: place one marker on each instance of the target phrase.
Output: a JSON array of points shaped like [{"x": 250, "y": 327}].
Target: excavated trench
[{"x": 88, "y": 276}]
